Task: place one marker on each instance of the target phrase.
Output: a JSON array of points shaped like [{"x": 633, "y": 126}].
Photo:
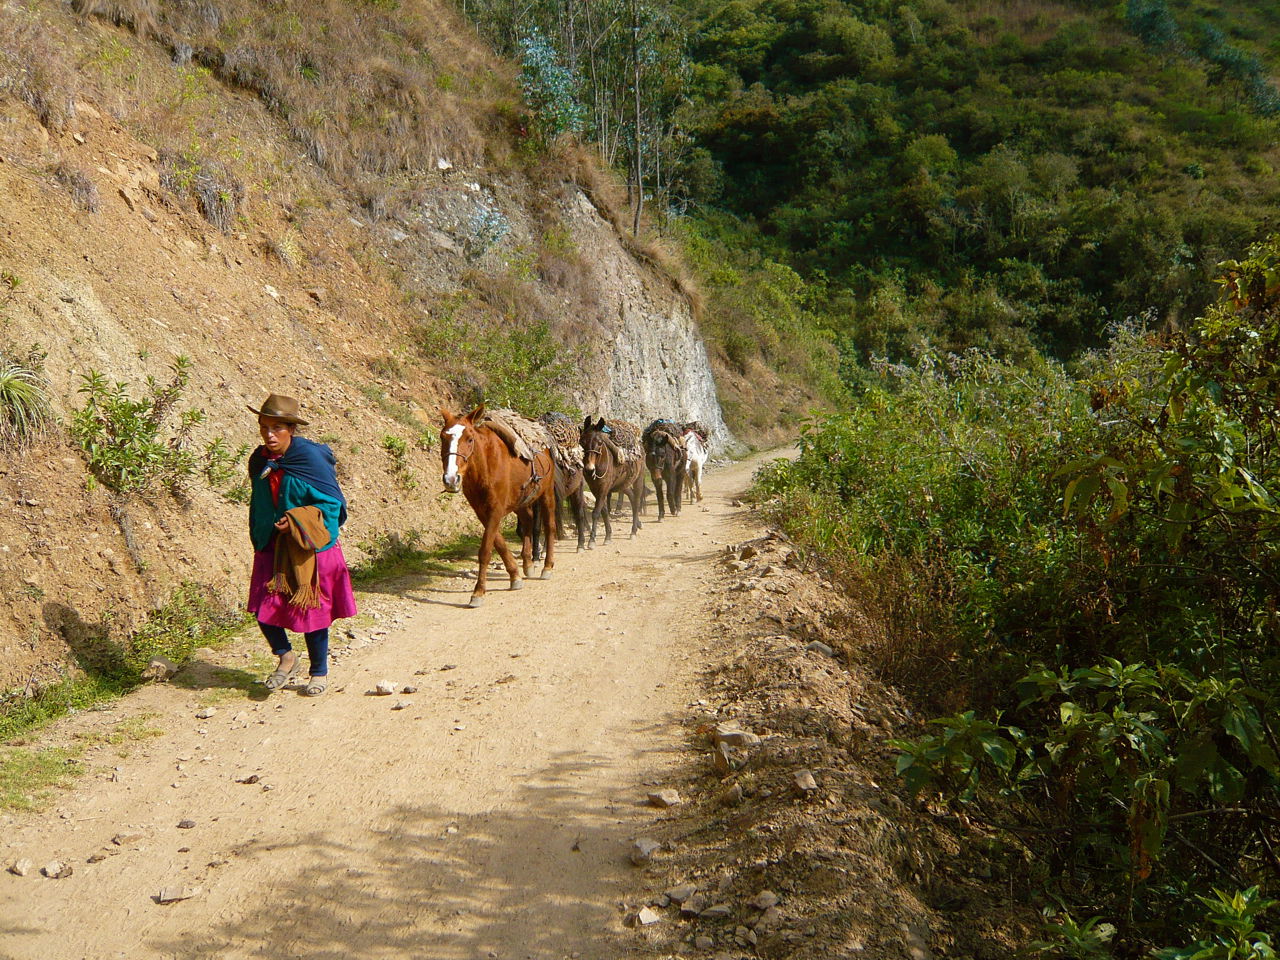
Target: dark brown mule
[
  {"x": 496, "y": 482},
  {"x": 664, "y": 457},
  {"x": 605, "y": 472}
]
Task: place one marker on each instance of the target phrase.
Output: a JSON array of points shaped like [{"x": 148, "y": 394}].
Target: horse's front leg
[
  {"x": 492, "y": 525},
  {"x": 579, "y": 502},
  {"x": 658, "y": 490},
  {"x": 608, "y": 527},
  {"x": 552, "y": 531}
]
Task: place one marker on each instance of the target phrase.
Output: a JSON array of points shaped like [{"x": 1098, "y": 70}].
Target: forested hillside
[{"x": 1007, "y": 176}]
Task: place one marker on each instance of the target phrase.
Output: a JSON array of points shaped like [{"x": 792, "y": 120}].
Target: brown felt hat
[{"x": 281, "y": 408}]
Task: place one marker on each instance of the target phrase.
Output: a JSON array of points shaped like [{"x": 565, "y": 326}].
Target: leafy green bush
[
  {"x": 1086, "y": 570},
  {"x": 129, "y": 446}
]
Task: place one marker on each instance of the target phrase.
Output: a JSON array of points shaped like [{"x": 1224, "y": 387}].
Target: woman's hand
[{"x": 282, "y": 523}]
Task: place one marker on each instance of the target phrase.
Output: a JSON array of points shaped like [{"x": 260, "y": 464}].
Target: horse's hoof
[
  {"x": 475, "y": 601},
  {"x": 546, "y": 574},
  {"x": 517, "y": 584}
]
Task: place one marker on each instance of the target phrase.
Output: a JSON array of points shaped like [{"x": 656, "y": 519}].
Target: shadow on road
[{"x": 540, "y": 880}]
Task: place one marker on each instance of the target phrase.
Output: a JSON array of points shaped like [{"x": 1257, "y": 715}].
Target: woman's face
[{"x": 276, "y": 434}]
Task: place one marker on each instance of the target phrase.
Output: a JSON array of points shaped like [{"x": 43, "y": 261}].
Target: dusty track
[{"x": 491, "y": 818}]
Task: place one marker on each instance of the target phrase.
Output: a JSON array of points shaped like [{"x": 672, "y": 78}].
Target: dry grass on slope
[{"x": 374, "y": 91}]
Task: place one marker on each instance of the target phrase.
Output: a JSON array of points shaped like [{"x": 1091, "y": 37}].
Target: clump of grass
[
  {"x": 122, "y": 733},
  {"x": 218, "y": 193},
  {"x": 192, "y": 617},
  {"x": 20, "y": 714},
  {"x": 392, "y": 555},
  {"x": 398, "y": 449},
  {"x": 28, "y": 777},
  {"x": 35, "y": 68},
  {"x": 287, "y": 249},
  {"x": 25, "y": 411},
  {"x": 84, "y": 192}
]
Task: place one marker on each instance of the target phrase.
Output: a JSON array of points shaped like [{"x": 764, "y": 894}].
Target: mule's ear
[
  {"x": 586, "y": 422},
  {"x": 475, "y": 415},
  {"x": 600, "y": 425},
  {"x": 446, "y": 416}
]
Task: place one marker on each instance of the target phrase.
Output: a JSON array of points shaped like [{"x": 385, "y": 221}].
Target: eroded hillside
[{"x": 163, "y": 195}]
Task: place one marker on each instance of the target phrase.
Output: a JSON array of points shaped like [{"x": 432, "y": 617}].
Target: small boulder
[
  {"x": 681, "y": 893},
  {"x": 56, "y": 870},
  {"x": 647, "y": 916},
  {"x": 643, "y": 849},
  {"x": 159, "y": 669},
  {"x": 732, "y": 796},
  {"x": 664, "y": 798},
  {"x": 764, "y": 900},
  {"x": 733, "y": 734},
  {"x": 704, "y": 942},
  {"x": 204, "y": 713},
  {"x": 385, "y": 688},
  {"x": 817, "y": 646},
  {"x": 805, "y": 782},
  {"x": 717, "y": 911},
  {"x": 20, "y": 867},
  {"x": 186, "y": 824},
  {"x": 174, "y": 894}
]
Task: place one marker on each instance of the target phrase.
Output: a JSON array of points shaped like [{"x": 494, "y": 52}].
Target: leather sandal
[
  {"x": 279, "y": 678},
  {"x": 316, "y": 686}
]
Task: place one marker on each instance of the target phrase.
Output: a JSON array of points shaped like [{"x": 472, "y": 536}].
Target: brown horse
[
  {"x": 496, "y": 482},
  {"x": 607, "y": 469}
]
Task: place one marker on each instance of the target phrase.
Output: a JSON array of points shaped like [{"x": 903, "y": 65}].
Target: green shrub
[
  {"x": 1083, "y": 573},
  {"x": 129, "y": 445}
]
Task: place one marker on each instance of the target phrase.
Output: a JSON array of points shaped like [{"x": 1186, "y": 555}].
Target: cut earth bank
[{"x": 502, "y": 808}]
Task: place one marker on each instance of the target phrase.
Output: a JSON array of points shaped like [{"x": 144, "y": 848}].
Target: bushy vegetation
[
  {"x": 1083, "y": 570},
  {"x": 130, "y": 445},
  {"x": 511, "y": 362}
]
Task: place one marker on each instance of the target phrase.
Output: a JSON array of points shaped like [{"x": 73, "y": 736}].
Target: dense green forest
[
  {"x": 1022, "y": 248},
  {"x": 1008, "y": 176}
]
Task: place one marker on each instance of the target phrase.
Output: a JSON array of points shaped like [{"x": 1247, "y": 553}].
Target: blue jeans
[{"x": 317, "y": 646}]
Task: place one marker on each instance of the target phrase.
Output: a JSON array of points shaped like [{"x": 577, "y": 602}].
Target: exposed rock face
[{"x": 656, "y": 365}]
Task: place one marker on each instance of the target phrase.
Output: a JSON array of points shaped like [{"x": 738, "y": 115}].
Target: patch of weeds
[
  {"x": 330, "y": 439},
  {"x": 84, "y": 192},
  {"x": 287, "y": 248},
  {"x": 218, "y": 193},
  {"x": 123, "y": 733},
  {"x": 399, "y": 555},
  {"x": 193, "y": 617},
  {"x": 392, "y": 408},
  {"x": 388, "y": 367},
  {"x": 20, "y": 714},
  {"x": 25, "y": 411},
  {"x": 29, "y": 777},
  {"x": 398, "y": 450}
]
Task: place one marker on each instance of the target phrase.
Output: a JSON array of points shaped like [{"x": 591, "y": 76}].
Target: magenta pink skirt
[{"x": 274, "y": 608}]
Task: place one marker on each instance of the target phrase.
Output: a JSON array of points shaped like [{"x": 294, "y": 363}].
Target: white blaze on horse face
[{"x": 451, "y": 478}]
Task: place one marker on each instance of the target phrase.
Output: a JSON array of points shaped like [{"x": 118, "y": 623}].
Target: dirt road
[{"x": 490, "y": 817}]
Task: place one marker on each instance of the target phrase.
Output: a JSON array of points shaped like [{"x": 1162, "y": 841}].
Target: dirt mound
[{"x": 800, "y": 842}]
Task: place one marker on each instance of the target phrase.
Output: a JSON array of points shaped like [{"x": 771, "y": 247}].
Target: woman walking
[{"x": 300, "y": 580}]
